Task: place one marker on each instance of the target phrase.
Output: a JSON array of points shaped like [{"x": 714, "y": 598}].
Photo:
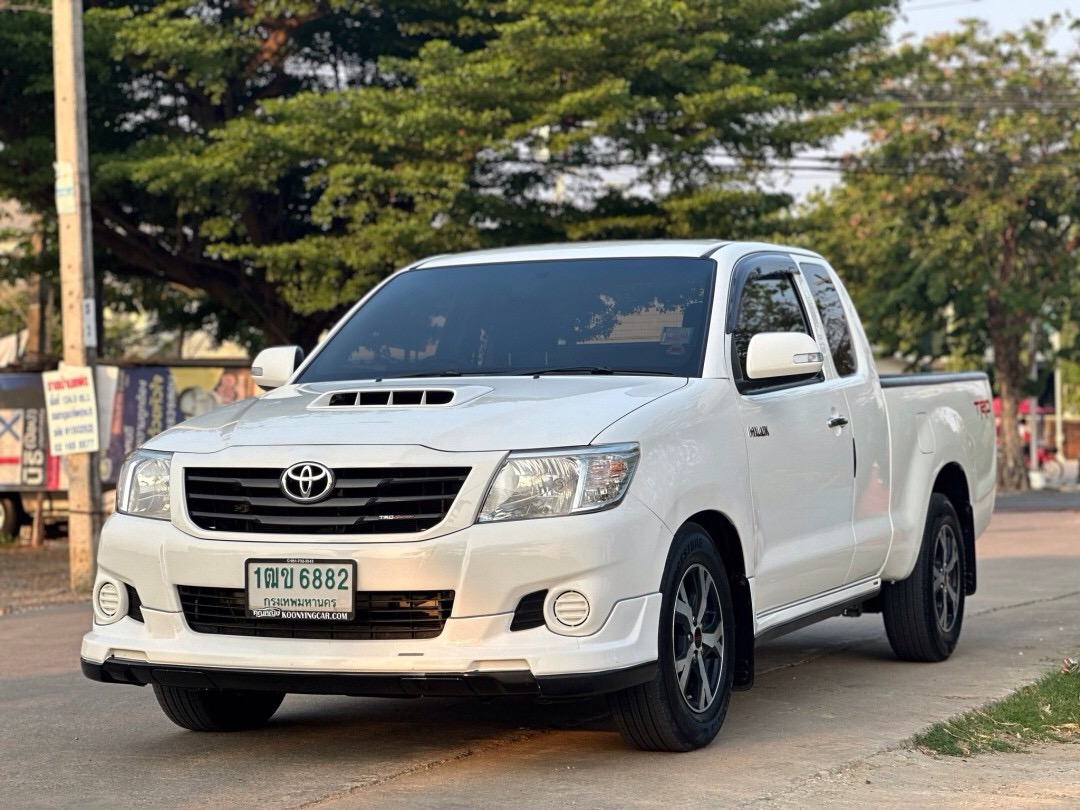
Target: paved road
[{"x": 825, "y": 698}]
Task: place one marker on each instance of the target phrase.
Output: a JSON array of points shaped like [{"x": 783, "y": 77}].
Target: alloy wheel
[
  {"x": 946, "y": 578},
  {"x": 698, "y": 638}
]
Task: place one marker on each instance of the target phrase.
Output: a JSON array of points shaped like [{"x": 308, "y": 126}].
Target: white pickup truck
[{"x": 556, "y": 472}]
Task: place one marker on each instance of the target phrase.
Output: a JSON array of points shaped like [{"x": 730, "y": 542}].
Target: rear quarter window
[{"x": 831, "y": 309}]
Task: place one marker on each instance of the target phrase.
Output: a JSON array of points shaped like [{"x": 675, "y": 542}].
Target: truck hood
[{"x": 477, "y": 414}]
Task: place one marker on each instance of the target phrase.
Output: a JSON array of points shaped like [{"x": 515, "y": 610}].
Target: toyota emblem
[{"x": 307, "y": 482}]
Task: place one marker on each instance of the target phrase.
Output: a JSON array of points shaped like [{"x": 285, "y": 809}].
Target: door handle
[{"x": 837, "y": 421}]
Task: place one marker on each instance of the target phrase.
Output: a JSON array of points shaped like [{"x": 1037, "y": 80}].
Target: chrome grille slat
[
  {"x": 255, "y": 500},
  {"x": 388, "y": 480},
  {"x": 363, "y": 501},
  {"x": 251, "y": 483}
]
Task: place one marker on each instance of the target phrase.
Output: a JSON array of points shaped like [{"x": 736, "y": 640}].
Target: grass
[{"x": 1045, "y": 711}]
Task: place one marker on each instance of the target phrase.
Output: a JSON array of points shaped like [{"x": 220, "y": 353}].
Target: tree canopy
[
  {"x": 279, "y": 157},
  {"x": 957, "y": 228}
]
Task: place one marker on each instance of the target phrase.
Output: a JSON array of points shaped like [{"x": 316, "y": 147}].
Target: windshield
[{"x": 585, "y": 316}]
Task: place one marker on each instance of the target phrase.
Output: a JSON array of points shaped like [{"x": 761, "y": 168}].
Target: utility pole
[{"x": 76, "y": 272}]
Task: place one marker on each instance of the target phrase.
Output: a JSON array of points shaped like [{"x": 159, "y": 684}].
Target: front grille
[
  {"x": 380, "y": 500},
  {"x": 379, "y": 615}
]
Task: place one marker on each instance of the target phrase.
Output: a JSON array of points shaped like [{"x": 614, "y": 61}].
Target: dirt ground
[
  {"x": 35, "y": 577},
  {"x": 1044, "y": 776}
]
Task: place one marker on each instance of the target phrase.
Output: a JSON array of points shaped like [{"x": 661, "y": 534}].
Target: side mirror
[
  {"x": 273, "y": 366},
  {"x": 782, "y": 354}
]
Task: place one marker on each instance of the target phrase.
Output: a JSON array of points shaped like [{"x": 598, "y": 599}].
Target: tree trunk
[
  {"x": 1012, "y": 471},
  {"x": 1006, "y": 338}
]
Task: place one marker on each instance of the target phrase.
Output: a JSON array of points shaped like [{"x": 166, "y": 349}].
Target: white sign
[
  {"x": 89, "y": 323},
  {"x": 71, "y": 410},
  {"x": 65, "y": 187}
]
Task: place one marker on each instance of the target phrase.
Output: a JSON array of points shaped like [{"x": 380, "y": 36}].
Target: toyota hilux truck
[{"x": 554, "y": 472}]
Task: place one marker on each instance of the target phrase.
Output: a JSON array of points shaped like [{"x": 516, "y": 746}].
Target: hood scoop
[{"x": 386, "y": 398}]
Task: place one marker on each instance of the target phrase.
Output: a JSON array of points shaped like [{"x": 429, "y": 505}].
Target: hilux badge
[{"x": 307, "y": 482}]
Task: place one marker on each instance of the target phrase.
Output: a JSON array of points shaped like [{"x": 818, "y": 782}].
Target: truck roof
[
  {"x": 580, "y": 250},
  {"x": 689, "y": 248}
]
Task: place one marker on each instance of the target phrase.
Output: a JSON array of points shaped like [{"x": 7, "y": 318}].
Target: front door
[{"x": 798, "y": 447}]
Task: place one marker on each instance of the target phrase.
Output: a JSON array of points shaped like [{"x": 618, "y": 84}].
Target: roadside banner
[
  {"x": 132, "y": 404},
  {"x": 149, "y": 399},
  {"x": 71, "y": 410},
  {"x": 144, "y": 404},
  {"x": 25, "y": 460}
]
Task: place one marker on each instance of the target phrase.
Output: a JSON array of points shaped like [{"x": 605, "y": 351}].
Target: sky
[{"x": 924, "y": 17}]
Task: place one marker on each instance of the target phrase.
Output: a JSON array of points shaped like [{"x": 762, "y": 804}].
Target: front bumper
[{"x": 614, "y": 558}]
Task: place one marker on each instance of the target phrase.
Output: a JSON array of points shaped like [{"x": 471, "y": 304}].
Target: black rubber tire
[
  {"x": 217, "y": 709},
  {"x": 11, "y": 515},
  {"x": 697, "y": 630},
  {"x": 924, "y": 613}
]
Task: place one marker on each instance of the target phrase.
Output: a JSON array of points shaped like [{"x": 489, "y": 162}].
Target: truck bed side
[{"x": 941, "y": 428}]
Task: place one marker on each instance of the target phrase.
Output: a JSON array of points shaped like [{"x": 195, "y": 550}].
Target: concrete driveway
[{"x": 825, "y": 725}]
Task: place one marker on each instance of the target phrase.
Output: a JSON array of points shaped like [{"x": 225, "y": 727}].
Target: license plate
[{"x": 319, "y": 590}]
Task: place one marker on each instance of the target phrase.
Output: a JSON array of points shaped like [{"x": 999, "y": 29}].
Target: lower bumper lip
[{"x": 515, "y": 683}]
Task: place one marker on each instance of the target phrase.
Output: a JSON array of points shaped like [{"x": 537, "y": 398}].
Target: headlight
[
  {"x": 586, "y": 479},
  {"x": 143, "y": 486}
]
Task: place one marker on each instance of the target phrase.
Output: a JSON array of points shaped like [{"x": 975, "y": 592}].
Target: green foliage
[
  {"x": 279, "y": 157},
  {"x": 956, "y": 228},
  {"x": 1046, "y": 711}
]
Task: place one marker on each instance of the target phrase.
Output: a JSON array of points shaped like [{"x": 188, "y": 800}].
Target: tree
[
  {"x": 283, "y": 157},
  {"x": 162, "y": 78},
  {"x": 957, "y": 226}
]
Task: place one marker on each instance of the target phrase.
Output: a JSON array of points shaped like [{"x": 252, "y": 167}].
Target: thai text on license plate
[{"x": 320, "y": 590}]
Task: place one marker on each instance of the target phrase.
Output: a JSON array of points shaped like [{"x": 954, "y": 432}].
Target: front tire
[
  {"x": 923, "y": 613},
  {"x": 683, "y": 707},
  {"x": 217, "y": 709}
]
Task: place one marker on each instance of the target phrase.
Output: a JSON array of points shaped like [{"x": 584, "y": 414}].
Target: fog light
[
  {"x": 571, "y": 608},
  {"x": 108, "y": 599}
]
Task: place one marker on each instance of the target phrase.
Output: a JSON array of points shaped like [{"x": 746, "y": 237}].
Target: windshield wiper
[
  {"x": 442, "y": 373},
  {"x": 535, "y": 372},
  {"x": 600, "y": 370}
]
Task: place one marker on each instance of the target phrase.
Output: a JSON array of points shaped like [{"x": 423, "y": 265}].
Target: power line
[{"x": 942, "y": 4}]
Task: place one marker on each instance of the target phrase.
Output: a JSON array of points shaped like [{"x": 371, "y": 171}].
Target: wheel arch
[
  {"x": 952, "y": 483},
  {"x": 725, "y": 539}
]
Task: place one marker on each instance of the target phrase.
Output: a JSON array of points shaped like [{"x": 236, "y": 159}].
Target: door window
[
  {"x": 767, "y": 301},
  {"x": 831, "y": 310}
]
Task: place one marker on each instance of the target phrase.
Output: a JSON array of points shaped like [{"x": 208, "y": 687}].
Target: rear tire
[
  {"x": 683, "y": 707},
  {"x": 217, "y": 709},
  {"x": 923, "y": 613}
]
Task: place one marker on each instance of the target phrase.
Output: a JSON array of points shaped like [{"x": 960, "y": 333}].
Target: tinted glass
[
  {"x": 581, "y": 316},
  {"x": 831, "y": 310},
  {"x": 768, "y": 303}
]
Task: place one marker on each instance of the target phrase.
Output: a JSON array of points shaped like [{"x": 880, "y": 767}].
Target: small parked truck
[{"x": 555, "y": 472}]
